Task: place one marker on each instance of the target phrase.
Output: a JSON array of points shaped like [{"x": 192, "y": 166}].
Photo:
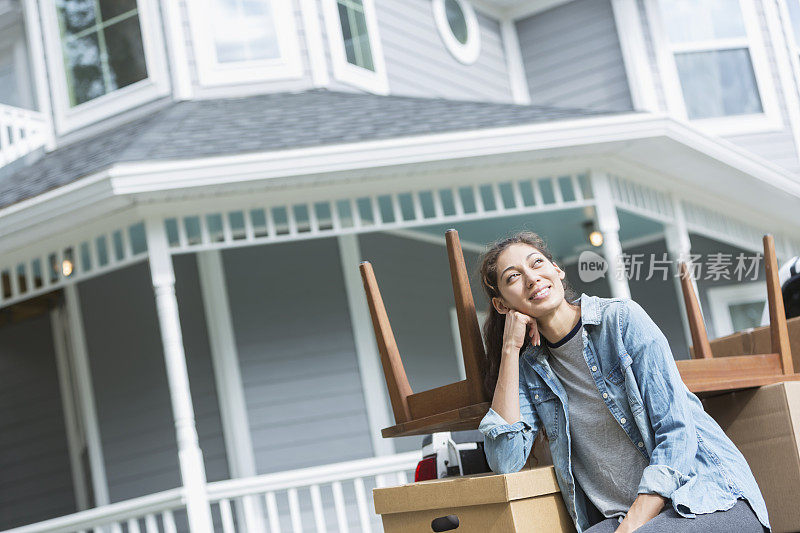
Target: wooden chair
[
  {"x": 705, "y": 374},
  {"x": 453, "y": 407}
]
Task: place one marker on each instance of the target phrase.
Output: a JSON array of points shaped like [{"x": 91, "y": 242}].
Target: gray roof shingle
[{"x": 268, "y": 122}]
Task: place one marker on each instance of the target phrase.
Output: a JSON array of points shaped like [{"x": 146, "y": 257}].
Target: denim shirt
[{"x": 691, "y": 460}]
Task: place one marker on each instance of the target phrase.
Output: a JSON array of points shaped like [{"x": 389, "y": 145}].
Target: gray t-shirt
[{"x": 604, "y": 460}]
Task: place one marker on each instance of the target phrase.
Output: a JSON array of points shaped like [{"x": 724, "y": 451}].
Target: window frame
[
  {"x": 373, "y": 81},
  {"x": 68, "y": 118},
  {"x": 769, "y": 119},
  {"x": 211, "y": 72},
  {"x": 468, "y": 52},
  {"x": 721, "y": 298}
]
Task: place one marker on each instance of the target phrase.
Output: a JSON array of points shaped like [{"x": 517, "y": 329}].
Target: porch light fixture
[
  {"x": 66, "y": 268},
  {"x": 594, "y": 237}
]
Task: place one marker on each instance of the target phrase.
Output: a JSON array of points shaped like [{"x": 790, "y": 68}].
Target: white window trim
[
  {"x": 468, "y": 52},
  {"x": 210, "y": 72},
  {"x": 462, "y": 372},
  {"x": 375, "y": 82},
  {"x": 154, "y": 86},
  {"x": 769, "y": 120},
  {"x": 720, "y": 299}
]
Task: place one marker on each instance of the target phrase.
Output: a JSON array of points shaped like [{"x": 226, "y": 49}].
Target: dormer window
[
  {"x": 102, "y": 47},
  {"x": 240, "y": 41},
  {"x": 713, "y": 64},
  {"x": 104, "y": 57},
  {"x": 355, "y": 47},
  {"x": 458, "y": 27}
]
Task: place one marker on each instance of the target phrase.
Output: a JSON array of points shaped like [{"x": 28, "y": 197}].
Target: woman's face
[{"x": 528, "y": 282}]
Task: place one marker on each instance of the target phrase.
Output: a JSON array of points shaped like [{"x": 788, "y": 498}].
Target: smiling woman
[{"x": 632, "y": 447}]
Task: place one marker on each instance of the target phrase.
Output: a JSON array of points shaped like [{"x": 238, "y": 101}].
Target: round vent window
[{"x": 458, "y": 27}]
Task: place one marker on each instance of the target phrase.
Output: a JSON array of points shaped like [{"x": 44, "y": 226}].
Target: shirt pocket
[
  {"x": 547, "y": 406},
  {"x": 615, "y": 375}
]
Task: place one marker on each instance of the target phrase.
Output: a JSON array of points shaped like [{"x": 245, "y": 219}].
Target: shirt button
[
  {"x": 622, "y": 420},
  {"x": 594, "y": 369},
  {"x": 640, "y": 444},
  {"x": 536, "y": 397},
  {"x": 605, "y": 395}
]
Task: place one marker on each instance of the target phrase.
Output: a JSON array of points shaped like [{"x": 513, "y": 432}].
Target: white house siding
[
  {"x": 298, "y": 362},
  {"x": 129, "y": 376},
  {"x": 414, "y": 279},
  {"x": 419, "y": 64},
  {"x": 572, "y": 57},
  {"x": 35, "y": 475}
]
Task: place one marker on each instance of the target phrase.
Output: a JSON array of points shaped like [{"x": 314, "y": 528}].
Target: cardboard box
[
  {"x": 529, "y": 501},
  {"x": 764, "y": 423},
  {"x": 756, "y": 340}
]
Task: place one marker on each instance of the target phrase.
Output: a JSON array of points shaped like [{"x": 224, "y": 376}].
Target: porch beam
[
  {"x": 87, "y": 407},
  {"x": 190, "y": 458},
  {"x": 228, "y": 378},
  {"x": 679, "y": 246},
  {"x": 372, "y": 378},
  {"x": 608, "y": 223}
]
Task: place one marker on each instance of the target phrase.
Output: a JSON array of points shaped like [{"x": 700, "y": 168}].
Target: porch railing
[
  {"x": 21, "y": 131},
  {"x": 154, "y": 513},
  {"x": 335, "y": 497}
]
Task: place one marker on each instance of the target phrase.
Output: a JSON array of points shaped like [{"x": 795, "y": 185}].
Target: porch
[{"x": 266, "y": 359}]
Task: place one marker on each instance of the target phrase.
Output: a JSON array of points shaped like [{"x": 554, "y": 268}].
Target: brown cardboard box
[
  {"x": 528, "y": 500},
  {"x": 764, "y": 423},
  {"x": 756, "y": 340}
]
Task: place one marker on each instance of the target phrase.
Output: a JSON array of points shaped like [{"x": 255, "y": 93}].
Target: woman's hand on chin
[{"x": 517, "y": 326}]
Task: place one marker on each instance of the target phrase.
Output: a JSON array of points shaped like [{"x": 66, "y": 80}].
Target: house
[{"x": 187, "y": 188}]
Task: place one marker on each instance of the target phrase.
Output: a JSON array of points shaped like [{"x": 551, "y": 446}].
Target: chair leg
[
  {"x": 702, "y": 348},
  {"x": 393, "y": 371},
  {"x": 779, "y": 331},
  {"x": 471, "y": 342}
]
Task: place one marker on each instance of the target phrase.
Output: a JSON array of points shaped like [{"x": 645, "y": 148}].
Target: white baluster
[
  {"x": 133, "y": 525},
  {"x": 227, "y": 516},
  {"x": 294, "y": 511},
  {"x": 150, "y": 524},
  {"x": 272, "y": 511},
  {"x": 341, "y": 511},
  {"x": 319, "y": 512},
  {"x": 169, "y": 522},
  {"x": 361, "y": 501}
]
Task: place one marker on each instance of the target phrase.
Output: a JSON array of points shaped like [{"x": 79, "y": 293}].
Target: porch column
[
  {"x": 608, "y": 223},
  {"x": 193, "y": 473},
  {"x": 679, "y": 247},
  {"x": 372, "y": 378}
]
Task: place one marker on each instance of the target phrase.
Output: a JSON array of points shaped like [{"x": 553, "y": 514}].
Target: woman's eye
[{"x": 508, "y": 279}]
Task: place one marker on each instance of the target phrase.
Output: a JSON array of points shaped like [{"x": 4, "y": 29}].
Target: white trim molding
[
  {"x": 520, "y": 91},
  {"x": 176, "y": 49},
  {"x": 155, "y": 85},
  {"x": 315, "y": 46},
  {"x": 787, "y": 56},
  {"x": 634, "y": 55},
  {"x": 768, "y": 120},
  {"x": 36, "y": 53},
  {"x": 211, "y": 71},
  {"x": 375, "y": 81},
  {"x": 468, "y": 52}
]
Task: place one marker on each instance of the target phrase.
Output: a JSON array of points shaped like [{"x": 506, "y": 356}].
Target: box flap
[{"x": 465, "y": 491}]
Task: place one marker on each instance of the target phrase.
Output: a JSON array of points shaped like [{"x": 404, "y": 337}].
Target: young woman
[{"x": 632, "y": 448}]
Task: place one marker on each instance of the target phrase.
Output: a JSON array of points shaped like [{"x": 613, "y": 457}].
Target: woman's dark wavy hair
[{"x": 495, "y": 322}]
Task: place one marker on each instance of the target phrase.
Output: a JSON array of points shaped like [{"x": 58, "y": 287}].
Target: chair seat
[
  {"x": 729, "y": 373},
  {"x": 461, "y": 419}
]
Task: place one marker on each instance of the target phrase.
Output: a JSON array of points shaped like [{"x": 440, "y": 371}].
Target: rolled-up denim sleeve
[
  {"x": 507, "y": 446},
  {"x": 666, "y": 400}
]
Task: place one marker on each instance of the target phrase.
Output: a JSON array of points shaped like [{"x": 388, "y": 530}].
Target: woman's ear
[
  {"x": 499, "y": 305},
  {"x": 561, "y": 273}
]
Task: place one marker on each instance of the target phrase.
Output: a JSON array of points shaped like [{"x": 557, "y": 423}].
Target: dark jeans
[{"x": 739, "y": 518}]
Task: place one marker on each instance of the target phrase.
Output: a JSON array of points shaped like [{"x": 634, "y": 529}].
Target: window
[
  {"x": 102, "y": 45},
  {"x": 737, "y": 307},
  {"x": 354, "y": 33},
  {"x": 355, "y": 48},
  {"x": 104, "y": 56},
  {"x": 244, "y": 40},
  {"x": 458, "y": 27},
  {"x": 714, "y": 67}
]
